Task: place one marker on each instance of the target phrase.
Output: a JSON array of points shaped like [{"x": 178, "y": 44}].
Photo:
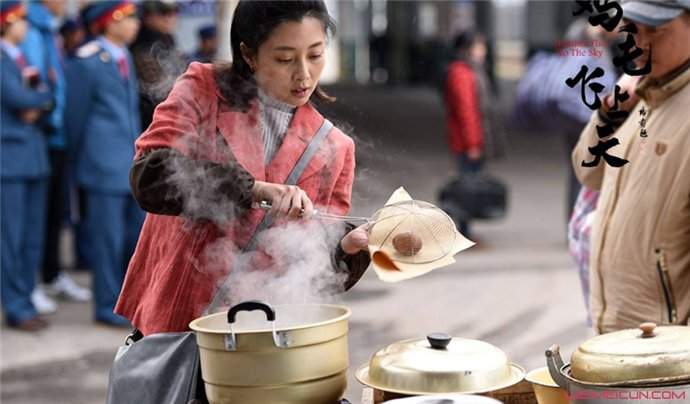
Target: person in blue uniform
[
  {"x": 24, "y": 174},
  {"x": 73, "y": 34},
  {"x": 103, "y": 121},
  {"x": 42, "y": 51},
  {"x": 208, "y": 45}
]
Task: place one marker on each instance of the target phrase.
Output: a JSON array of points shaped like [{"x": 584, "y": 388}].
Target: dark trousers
[
  {"x": 81, "y": 238},
  {"x": 23, "y": 220},
  {"x": 55, "y": 214},
  {"x": 112, "y": 223},
  {"x": 467, "y": 166}
]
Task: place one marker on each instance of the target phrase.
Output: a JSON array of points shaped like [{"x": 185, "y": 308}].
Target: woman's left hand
[{"x": 356, "y": 240}]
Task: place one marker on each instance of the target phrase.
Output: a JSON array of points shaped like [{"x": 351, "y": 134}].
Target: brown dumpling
[{"x": 407, "y": 243}]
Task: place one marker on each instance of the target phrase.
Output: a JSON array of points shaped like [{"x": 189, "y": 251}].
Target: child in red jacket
[{"x": 466, "y": 95}]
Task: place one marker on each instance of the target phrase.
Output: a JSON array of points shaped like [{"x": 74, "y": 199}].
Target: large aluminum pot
[
  {"x": 286, "y": 355},
  {"x": 439, "y": 364},
  {"x": 647, "y": 366}
]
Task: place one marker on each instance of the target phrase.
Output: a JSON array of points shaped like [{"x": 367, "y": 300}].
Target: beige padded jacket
[{"x": 640, "y": 252}]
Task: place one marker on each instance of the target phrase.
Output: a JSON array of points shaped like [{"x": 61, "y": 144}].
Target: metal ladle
[{"x": 265, "y": 205}]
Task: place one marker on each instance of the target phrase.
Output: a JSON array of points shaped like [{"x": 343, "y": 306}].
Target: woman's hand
[
  {"x": 355, "y": 241},
  {"x": 286, "y": 200}
]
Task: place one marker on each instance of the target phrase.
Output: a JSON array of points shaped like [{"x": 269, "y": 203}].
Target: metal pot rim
[
  {"x": 656, "y": 382},
  {"x": 194, "y": 325},
  {"x": 517, "y": 375},
  {"x": 560, "y": 372},
  {"x": 530, "y": 379}
]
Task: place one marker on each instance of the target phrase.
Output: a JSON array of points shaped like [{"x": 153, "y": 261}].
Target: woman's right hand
[{"x": 286, "y": 200}]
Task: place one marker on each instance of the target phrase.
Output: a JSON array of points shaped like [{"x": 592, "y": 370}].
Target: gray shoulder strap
[
  {"x": 296, "y": 172},
  {"x": 309, "y": 152}
]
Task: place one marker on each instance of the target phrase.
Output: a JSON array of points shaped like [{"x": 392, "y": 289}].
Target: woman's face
[
  {"x": 478, "y": 51},
  {"x": 289, "y": 63}
]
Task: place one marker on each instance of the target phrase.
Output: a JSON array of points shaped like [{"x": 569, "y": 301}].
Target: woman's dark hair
[
  {"x": 252, "y": 24},
  {"x": 464, "y": 41}
]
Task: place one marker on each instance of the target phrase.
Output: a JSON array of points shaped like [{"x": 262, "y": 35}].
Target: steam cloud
[{"x": 293, "y": 262}]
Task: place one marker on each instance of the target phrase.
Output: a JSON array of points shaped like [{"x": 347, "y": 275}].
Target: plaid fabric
[{"x": 579, "y": 233}]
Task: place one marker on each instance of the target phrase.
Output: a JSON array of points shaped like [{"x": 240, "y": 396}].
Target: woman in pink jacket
[{"x": 226, "y": 138}]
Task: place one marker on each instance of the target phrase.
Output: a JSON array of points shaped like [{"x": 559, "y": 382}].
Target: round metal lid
[
  {"x": 439, "y": 364},
  {"x": 656, "y": 354}
]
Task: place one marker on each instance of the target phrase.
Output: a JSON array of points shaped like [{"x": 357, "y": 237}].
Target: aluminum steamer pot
[
  {"x": 649, "y": 365},
  {"x": 439, "y": 364},
  {"x": 300, "y": 355}
]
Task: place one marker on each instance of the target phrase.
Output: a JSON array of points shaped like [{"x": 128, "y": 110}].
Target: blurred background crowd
[
  {"x": 447, "y": 45},
  {"x": 85, "y": 70},
  {"x": 479, "y": 83}
]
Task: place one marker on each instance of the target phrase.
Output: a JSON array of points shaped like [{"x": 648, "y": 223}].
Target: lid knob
[
  {"x": 439, "y": 340},
  {"x": 647, "y": 330}
]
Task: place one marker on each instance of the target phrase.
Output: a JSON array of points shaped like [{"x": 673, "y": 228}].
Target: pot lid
[
  {"x": 439, "y": 364},
  {"x": 657, "y": 354}
]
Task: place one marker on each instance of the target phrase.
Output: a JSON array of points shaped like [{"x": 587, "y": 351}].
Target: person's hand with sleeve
[{"x": 288, "y": 201}]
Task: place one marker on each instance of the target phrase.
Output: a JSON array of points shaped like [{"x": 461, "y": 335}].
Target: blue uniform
[
  {"x": 24, "y": 171},
  {"x": 102, "y": 120},
  {"x": 41, "y": 51}
]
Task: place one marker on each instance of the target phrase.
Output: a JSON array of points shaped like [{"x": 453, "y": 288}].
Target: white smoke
[
  {"x": 167, "y": 63},
  {"x": 300, "y": 268},
  {"x": 303, "y": 271},
  {"x": 293, "y": 261}
]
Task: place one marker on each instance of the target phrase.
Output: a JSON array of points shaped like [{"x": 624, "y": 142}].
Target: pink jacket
[{"x": 170, "y": 279}]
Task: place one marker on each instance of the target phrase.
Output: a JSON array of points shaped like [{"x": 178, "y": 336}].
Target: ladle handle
[{"x": 251, "y": 305}]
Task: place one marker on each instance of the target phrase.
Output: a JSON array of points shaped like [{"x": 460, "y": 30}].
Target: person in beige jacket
[{"x": 640, "y": 252}]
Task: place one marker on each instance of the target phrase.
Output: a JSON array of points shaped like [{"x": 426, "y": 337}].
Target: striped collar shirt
[
  {"x": 275, "y": 119},
  {"x": 116, "y": 52}
]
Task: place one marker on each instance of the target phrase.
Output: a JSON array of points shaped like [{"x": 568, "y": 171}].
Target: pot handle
[
  {"x": 280, "y": 339},
  {"x": 554, "y": 361},
  {"x": 251, "y": 305},
  {"x": 439, "y": 340}
]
